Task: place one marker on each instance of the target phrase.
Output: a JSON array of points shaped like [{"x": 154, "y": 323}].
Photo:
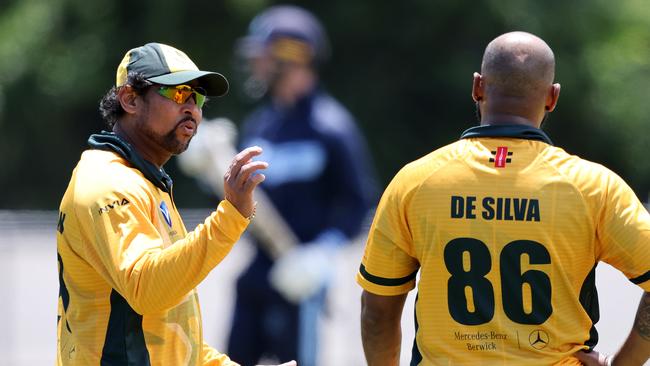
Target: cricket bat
[{"x": 207, "y": 159}]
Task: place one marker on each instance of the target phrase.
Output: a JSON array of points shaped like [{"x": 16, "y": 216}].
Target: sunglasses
[{"x": 181, "y": 93}]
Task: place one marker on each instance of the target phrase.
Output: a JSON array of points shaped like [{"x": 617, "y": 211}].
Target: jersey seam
[
  {"x": 569, "y": 181},
  {"x": 457, "y": 156}
]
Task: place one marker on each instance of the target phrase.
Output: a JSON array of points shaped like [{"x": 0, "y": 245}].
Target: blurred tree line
[{"x": 404, "y": 69}]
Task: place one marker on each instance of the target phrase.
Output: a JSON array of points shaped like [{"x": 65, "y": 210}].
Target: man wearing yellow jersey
[
  {"x": 128, "y": 268},
  {"x": 505, "y": 231}
]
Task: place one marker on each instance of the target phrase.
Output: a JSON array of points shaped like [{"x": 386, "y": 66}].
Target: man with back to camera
[
  {"x": 506, "y": 231},
  {"x": 319, "y": 180},
  {"x": 128, "y": 268}
]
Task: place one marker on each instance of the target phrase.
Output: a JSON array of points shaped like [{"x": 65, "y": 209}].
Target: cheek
[{"x": 164, "y": 116}]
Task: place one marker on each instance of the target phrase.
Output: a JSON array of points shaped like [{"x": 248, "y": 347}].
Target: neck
[
  {"x": 146, "y": 148},
  {"x": 507, "y": 119},
  {"x": 510, "y": 110}
]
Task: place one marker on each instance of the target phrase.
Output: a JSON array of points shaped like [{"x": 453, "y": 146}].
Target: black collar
[
  {"x": 512, "y": 131},
  {"x": 109, "y": 141}
]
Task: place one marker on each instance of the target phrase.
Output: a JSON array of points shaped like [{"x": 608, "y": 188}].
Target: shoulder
[
  {"x": 580, "y": 171},
  {"x": 103, "y": 175},
  {"x": 437, "y": 159},
  {"x": 414, "y": 174},
  {"x": 598, "y": 186}
]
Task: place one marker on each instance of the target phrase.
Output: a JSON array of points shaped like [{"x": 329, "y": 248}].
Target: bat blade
[{"x": 208, "y": 158}]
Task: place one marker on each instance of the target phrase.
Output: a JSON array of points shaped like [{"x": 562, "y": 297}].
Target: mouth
[{"x": 187, "y": 127}]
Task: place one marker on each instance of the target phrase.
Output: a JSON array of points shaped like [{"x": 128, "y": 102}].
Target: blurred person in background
[
  {"x": 319, "y": 180},
  {"x": 505, "y": 231},
  {"x": 128, "y": 268}
]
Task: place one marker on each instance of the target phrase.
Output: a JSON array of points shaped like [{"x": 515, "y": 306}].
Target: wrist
[
  {"x": 252, "y": 213},
  {"x": 245, "y": 210}
]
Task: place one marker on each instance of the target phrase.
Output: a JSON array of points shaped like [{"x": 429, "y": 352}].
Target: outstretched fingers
[
  {"x": 242, "y": 158},
  {"x": 242, "y": 177},
  {"x": 248, "y": 177}
]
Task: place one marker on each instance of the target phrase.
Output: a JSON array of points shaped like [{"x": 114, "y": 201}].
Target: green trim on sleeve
[
  {"x": 639, "y": 280},
  {"x": 386, "y": 281}
]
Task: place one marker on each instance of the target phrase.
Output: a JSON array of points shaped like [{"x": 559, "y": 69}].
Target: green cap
[{"x": 166, "y": 65}]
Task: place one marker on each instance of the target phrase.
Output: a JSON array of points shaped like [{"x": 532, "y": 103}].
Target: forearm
[
  {"x": 381, "y": 332},
  {"x": 636, "y": 349},
  {"x": 381, "y": 342},
  {"x": 170, "y": 274}
]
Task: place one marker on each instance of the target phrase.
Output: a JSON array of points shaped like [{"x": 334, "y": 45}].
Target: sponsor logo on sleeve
[{"x": 112, "y": 205}]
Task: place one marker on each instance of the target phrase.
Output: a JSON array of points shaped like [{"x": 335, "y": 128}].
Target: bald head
[{"x": 519, "y": 65}]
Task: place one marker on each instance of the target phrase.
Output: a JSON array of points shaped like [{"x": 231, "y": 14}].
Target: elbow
[
  {"x": 126, "y": 304},
  {"x": 146, "y": 300},
  {"x": 146, "y": 289},
  {"x": 143, "y": 305},
  {"x": 143, "y": 299},
  {"x": 138, "y": 302},
  {"x": 140, "y": 307}
]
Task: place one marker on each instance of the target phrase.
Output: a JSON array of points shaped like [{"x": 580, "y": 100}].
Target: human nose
[{"x": 190, "y": 106}]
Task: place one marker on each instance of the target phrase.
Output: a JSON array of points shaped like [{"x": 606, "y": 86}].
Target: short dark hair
[{"x": 110, "y": 107}]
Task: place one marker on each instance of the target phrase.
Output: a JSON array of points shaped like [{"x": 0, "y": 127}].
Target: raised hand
[{"x": 241, "y": 178}]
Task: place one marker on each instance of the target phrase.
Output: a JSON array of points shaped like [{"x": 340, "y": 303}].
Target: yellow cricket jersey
[
  {"x": 127, "y": 266},
  {"x": 505, "y": 231}
]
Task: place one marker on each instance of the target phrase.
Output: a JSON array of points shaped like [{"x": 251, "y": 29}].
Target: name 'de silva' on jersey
[{"x": 495, "y": 208}]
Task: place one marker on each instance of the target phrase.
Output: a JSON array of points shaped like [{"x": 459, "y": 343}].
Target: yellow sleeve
[
  {"x": 212, "y": 357},
  {"x": 569, "y": 361},
  {"x": 123, "y": 245},
  {"x": 388, "y": 266},
  {"x": 624, "y": 232}
]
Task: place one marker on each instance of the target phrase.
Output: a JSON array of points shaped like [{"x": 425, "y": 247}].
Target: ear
[
  {"x": 477, "y": 87},
  {"x": 128, "y": 99},
  {"x": 551, "y": 97}
]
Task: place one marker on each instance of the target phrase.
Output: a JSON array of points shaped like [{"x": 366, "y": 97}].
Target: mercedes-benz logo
[{"x": 538, "y": 339}]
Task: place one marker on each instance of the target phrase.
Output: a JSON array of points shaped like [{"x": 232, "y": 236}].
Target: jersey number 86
[{"x": 512, "y": 282}]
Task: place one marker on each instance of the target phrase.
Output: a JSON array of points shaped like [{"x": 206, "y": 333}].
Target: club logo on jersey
[
  {"x": 501, "y": 157},
  {"x": 165, "y": 213},
  {"x": 538, "y": 339}
]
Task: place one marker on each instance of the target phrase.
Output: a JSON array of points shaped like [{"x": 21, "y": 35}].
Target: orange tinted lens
[
  {"x": 182, "y": 95},
  {"x": 173, "y": 93}
]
